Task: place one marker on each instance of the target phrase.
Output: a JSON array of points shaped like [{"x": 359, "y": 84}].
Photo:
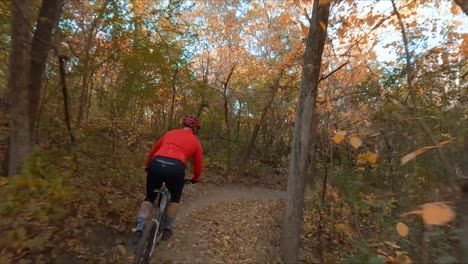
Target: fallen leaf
[
  {"x": 402, "y": 229},
  {"x": 3, "y": 180}
]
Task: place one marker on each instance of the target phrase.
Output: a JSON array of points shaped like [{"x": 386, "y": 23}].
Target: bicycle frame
[{"x": 158, "y": 217}]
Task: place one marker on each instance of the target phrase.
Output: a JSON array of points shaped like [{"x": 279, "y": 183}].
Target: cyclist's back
[{"x": 166, "y": 164}]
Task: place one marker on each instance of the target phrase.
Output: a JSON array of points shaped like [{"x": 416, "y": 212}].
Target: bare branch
[{"x": 332, "y": 72}]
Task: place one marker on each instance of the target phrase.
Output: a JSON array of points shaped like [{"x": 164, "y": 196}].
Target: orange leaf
[
  {"x": 443, "y": 143},
  {"x": 305, "y": 29},
  {"x": 437, "y": 213},
  {"x": 355, "y": 142},
  {"x": 402, "y": 229},
  {"x": 417, "y": 212},
  {"x": 323, "y": 26},
  {"x": 339, "y": 136},
  {"x": 420, "y": 151}
]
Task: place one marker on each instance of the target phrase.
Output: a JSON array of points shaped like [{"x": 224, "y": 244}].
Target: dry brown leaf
[
  {"x": 437, "y": 213},
  {"x": 3, "y": 180},
  {"x": 402, "y": 229},
  {"x": 355, "y": 142},
  {"x": 407, "y": 158},
  {"x": 339, "y": 136}
]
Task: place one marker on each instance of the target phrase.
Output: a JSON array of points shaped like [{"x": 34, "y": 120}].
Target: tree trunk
[
  {"x": 243, "y": 161},
  {"x": 87, "y": 72},
  {"x": 65, "y": 97},
  {"x": 463, "y": 204},
  {"x": 203, "y": 105},
  {"x": 227, "y": 123},
  {"x": 463, "y": 5},
  {"x": 174, "y": 93},
  {"x": 303, "y": 133},
  {"x": 41, "y": 44},
  {"x": 18, "y": 83}
]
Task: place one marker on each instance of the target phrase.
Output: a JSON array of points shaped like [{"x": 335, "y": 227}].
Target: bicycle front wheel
[{"x": 143, "y": 249}]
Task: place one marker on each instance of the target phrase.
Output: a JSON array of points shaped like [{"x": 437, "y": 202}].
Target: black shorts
[{"x": 168, "y": 171}]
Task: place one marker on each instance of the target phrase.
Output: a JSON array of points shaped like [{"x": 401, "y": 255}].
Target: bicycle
[{"x": 153, "y": 229}]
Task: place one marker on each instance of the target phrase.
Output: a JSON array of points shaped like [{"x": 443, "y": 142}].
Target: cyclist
[{"x": 166, "y": 164}]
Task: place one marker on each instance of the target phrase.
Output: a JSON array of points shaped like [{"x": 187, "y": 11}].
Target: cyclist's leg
[
  {"x": 154, "y": 181},
  {"x": 174, "y": 181}
]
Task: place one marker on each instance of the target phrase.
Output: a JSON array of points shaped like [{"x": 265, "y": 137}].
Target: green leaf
[{"x": 376, "y": 260}]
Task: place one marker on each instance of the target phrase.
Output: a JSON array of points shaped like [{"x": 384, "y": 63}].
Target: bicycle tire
[{"x": 143, "y": 248}]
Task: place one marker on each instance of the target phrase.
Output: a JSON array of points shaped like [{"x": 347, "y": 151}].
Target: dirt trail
[{"x": 216, "y": 222}]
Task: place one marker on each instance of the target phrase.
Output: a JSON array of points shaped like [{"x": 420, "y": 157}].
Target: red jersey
[{"x": 179, "y": 144}]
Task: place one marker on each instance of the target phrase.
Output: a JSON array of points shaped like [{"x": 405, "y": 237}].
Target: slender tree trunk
[
  {"x": 65, "y": 97},
  {"x": 87, "y": 72},
  {"x": 49, "y": 15},
  {"x": 203, "y": 105},
  {"x": 463, "y": 204},
  {"x": 18, "y": 83},
  {"x": 227, "y": 123},
  {"x": 243, "y": 161},
  {"x": 174, "y": 93},
  {"x": 302, "y": 135}
]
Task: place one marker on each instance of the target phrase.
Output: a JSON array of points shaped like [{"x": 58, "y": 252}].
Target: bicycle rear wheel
[{"x": 143, "y": 249}]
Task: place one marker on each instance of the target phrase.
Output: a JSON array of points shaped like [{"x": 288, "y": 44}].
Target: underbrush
[
  {"x": 49, "y": 209},
  {"x": 357, "y": 223}
]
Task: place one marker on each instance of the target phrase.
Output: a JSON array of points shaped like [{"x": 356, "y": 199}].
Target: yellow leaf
[
  {"x": 3, "y": 180},
  {"x": 365, "y": 108},
  {"x": 355, "y": 142},
  {"x": 324, "y": 2},
  {"x": 339, "y": 136},
  {"x": 305, "y": 29},
  {"x": 368, "y": 157},
  {"x": 402, "y": 229},
  {"x": 407, "y": 158},
  {"x": 372, "y": 159},
  {"x": 402, "y": 258},
  {"x": 323, "y": 26},
  {"x": 437, "y": 213}
]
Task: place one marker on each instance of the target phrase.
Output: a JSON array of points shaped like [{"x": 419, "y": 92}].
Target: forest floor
[{"x": 225, "y": 223}]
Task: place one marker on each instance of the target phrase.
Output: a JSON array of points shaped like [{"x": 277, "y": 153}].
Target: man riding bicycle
[{"x": 166, "y": 164}]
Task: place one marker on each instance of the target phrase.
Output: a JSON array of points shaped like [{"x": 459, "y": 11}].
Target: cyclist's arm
[
  {"x": 153, "y": 151},
  {"x": 197, "y": 163}
]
